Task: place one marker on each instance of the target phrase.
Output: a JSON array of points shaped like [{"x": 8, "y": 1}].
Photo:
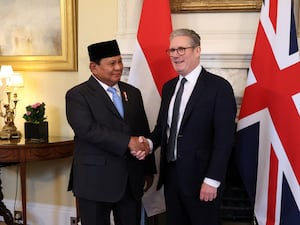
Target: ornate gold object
[
  {"x": 9, "y": 130},
  {"x": 181, "y": 6}
]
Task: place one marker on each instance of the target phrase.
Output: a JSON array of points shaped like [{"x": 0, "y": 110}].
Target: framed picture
[
  {"x": 39, "y": 35},
  {"x": 297, "y": 15},
  {"x": 180, "y": 6}
]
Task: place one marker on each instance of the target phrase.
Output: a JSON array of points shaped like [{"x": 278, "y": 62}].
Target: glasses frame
[{"x": 180, "y": 51}]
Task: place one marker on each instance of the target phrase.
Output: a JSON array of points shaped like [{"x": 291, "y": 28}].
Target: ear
[
  {"x": 198, "y": 50},
  {"x": 92, "y": 66}
]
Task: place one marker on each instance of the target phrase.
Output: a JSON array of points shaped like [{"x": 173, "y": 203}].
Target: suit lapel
[
  {"x": 101, "y": 96},
  {"x": 168, "y": 97},
  {"x": 196, "y": 93}
]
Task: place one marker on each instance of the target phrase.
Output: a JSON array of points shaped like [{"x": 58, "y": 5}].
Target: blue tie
[{"x": 117, "y": 100}]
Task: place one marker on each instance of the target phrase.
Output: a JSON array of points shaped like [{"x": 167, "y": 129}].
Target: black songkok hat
[{"x": 102, "y": 50}]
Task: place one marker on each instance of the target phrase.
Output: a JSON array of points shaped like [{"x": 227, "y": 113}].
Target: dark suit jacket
[
  {"x": 102, "y": 163},
  {"x": 206, "y": 135}
]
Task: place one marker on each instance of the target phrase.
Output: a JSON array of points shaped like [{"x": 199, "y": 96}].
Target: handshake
[{"x": 139, "y": 147}]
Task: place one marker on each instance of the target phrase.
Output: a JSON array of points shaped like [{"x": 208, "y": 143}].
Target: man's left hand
[{"x": 207, "y": 192}]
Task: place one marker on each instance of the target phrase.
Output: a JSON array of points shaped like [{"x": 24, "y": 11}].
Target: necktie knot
[
  {"x": 112, "y": 90},
  {"x": 183, "y": 80},
  {"x": 116, "y": 100}
]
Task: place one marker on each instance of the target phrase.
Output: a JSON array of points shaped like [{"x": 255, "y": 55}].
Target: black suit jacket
[
  {"x": 102, "y": 163},
  {"x": 206, "y": 135}
]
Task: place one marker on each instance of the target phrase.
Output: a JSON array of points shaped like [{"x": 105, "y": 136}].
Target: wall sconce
[{"x": 12, "y": 81}]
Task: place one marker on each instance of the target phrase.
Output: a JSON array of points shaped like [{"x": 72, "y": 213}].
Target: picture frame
[
  {"x": 59, "y": 30},
  {"x": 297, "y": 16},
  {"x": 190, "y": 6},
  {"x": 182, "y": 6}
]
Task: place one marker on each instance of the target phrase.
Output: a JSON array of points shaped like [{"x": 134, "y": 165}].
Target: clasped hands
[{"x": 139, "y": 147}]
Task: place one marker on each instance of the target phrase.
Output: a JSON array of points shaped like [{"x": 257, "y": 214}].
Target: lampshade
[
  {"x": 14, "y": 80},
  {"x": 6, "y": 70}
]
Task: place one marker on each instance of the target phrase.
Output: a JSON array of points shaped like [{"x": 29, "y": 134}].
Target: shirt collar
[
  {"x": 193, "y": 76},
  {"x": 105, "y": 86}
]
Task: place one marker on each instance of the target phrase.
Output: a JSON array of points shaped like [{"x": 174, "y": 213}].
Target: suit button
[{"x": 180, "y": 136}]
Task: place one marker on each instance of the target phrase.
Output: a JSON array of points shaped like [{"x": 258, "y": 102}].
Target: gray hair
[{"x": 195, "y": 38}]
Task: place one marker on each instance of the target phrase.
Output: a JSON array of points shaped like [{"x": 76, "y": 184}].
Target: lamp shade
[
  {"x": 12, "y": 79},
  {"x": 6, "y": 70}
]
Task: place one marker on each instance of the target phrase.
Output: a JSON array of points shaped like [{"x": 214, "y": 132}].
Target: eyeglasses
[{"x": 180, "y": 50}]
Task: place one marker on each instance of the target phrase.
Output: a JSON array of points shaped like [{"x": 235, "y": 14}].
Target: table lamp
[{"x": 12, "y": 81}]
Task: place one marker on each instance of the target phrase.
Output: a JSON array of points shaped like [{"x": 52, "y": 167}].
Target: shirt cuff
[
  {"x": 150, "y": 145},
  {"x": 212, "y": 182}
]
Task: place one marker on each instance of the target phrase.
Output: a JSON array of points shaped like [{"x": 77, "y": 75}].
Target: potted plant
[{"x": 35, "y": 127}]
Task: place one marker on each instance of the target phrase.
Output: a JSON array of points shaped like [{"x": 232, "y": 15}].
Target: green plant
[{"x": 35, "y": 113}]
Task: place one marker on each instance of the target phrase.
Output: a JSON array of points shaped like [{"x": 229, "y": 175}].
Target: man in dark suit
[
  {"x": 195, "y": 146},
  {"x": 107, "y": 175}
]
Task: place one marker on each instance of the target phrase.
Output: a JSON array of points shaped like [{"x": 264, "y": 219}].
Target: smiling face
[
  {"x": 109, "y": 70},
  {"x": 187, "y": 62}
]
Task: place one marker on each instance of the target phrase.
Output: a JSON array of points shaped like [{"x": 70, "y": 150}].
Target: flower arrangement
[{"x": 35, "y": 113}]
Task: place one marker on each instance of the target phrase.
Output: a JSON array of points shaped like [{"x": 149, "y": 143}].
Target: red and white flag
[
  {"x": 150, "y": 69},
  {"x": 268, "y": 140}
]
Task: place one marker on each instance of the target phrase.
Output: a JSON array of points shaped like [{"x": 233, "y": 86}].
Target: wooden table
[{"x": 18, "y": 152}]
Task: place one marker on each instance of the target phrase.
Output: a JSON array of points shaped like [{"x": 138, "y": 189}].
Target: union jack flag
[{"x": 268, "y": 137}]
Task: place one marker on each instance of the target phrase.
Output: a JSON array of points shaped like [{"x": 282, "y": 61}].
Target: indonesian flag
[
  {"x": 151, "y": 68},
  {"x": 268, "y": 144}
]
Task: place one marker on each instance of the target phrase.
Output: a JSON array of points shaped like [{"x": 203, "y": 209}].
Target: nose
[{"x": 118, "y": 66}]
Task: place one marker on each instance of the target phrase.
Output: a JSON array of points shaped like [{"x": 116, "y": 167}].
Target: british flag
[{"x": 268, "y": 137}]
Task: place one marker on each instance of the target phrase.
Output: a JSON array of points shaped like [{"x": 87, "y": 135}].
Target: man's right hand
[{"x": 139, "y": 147}]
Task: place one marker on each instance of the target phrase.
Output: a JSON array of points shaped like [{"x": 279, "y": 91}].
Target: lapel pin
[{"x": 125, "y": 96}]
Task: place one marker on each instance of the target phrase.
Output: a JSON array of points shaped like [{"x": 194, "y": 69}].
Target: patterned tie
[
  {"x": 173, "y": 129},
  {"x": 117, "y": 100}
]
